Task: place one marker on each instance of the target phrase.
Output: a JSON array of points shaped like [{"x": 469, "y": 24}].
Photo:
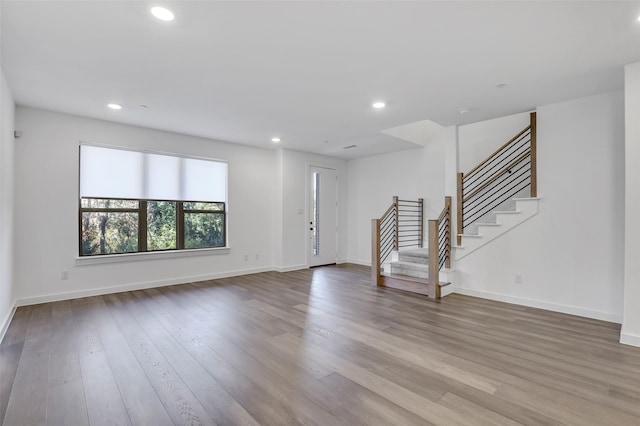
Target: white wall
[
  {"x": 631, "y": 323},
  {"x": 296, "y": 211},
  {"x": 7, "y": 295},
  {"x": 479, "y": 140},
  {"x": 373, "y": 181},
  {"x": 46, "y": 228},
  {"x": 570, "y": 253}
]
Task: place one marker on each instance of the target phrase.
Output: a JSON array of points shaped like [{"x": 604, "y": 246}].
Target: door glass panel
[{"x": 315, "y": 237}]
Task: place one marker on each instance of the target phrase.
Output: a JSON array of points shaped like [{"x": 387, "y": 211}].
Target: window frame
[{"x": 142, "y": 212}]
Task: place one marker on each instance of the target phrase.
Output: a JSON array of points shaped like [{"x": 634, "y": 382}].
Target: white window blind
[{"x": 117, "y": 173}]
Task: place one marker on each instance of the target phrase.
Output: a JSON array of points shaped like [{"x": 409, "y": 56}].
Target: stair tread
[
  {"x": 410, "y": 264},
  {"x": 414, "y": 252}
]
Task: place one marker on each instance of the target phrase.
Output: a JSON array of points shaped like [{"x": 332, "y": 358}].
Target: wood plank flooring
[{"x": 317, "y": 347}]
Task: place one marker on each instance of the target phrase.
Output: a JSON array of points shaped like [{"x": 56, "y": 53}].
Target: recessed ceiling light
[
  {"x": 275, "y": 140},
  {"x": 464, "y": 110},
  {"x": 378, "y": 105},
  {"x": 639, "y": 18},
  {"x": 114, "y": 106},
  {"x": 501, "y": 85},
  {"x": 162, "y": 13}
]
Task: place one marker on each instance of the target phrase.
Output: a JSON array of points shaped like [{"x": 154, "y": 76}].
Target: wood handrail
[
  {"x": 504, "y": 170},
  {"x": 445, "y": 209},
  {"x": 486, "y": 160},
  {"x": 389, "y": 210}
]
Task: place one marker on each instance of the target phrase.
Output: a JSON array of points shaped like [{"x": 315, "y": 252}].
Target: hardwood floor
[{"x": 319, "y": 346}]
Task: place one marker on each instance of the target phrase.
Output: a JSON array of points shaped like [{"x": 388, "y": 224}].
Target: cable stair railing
[
  {"x": 401, "y": 227},
  {"x": 505, "y": 174}
]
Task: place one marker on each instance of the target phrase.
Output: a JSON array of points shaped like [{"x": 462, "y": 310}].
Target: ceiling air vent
[{"x": 349, "y": 146}]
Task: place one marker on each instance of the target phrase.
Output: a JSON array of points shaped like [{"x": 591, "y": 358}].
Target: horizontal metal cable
[
  {"x": 496, "y": 192},
  {"x": 525, "y": 135},
  {"x": 497, "y": 200},
  {"x": 504, "y": 171},
  {"x": 510, "y": 152},
  {"x": 515, "y": 171},
  {"x": 496, "y": 204}
]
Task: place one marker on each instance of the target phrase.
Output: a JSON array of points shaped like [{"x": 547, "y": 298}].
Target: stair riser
[
  {"x": 423, "y": 260},
  {"x": 409, "y": 272}
]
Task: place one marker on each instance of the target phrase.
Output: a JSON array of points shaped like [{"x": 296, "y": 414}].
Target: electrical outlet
[
  {"x": 64, "y": 275},
  {"x": 246, "y": 257},
  {"x": 257, "y": 257},
  {"x": 518, "y": 279}
]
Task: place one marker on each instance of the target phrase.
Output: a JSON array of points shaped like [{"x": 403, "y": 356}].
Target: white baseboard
[
  {"x": 5, "y": 324},
  {"x": 629, "y": 339},
  {"x": 289, "y": 268},
  {"x": 358, "y": 262},
  {"x": 565, "y": 309},
  {"x": 55, "y": 297}
]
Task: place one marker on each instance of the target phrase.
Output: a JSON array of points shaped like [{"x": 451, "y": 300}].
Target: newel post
[
  {"x": 434, "y": 272},
  {"x": 375, "y": 252}
]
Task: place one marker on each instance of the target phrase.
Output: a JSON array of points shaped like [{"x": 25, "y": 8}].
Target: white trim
[
  {"x": 566, "y": 309},
  {"x": 149, "y": 255},
  {"x": 135, "y": 286},
  {"x": 290, "y": 268},
  {"x": 629, "y": 339},
  {"x": 358, "y": 262},
  {"x": 7, "y": 321}
]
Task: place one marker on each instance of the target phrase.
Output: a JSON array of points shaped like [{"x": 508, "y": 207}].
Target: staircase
[
  {"x": 497, "y": 195},
  {"x": 413, "y": 263},
  {"x": 413, "y": 266},
  {"x": 495, "y": 224},
  {"x": 399, "y": 233}
]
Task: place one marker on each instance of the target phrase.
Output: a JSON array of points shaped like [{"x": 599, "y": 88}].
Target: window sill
[{"x": 154, "y": 255}]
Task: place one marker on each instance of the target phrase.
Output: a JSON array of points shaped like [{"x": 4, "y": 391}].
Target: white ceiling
[{"x": 308, "y": 71}]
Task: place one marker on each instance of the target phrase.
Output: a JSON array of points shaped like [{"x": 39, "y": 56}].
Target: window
[{"x": 134, "y": 201}]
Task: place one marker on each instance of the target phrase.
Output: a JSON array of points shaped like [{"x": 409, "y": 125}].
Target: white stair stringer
[{"x": 526, "y": 208}]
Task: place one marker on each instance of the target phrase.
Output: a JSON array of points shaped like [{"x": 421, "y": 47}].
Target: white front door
[{"x": 323, "y": 230}]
